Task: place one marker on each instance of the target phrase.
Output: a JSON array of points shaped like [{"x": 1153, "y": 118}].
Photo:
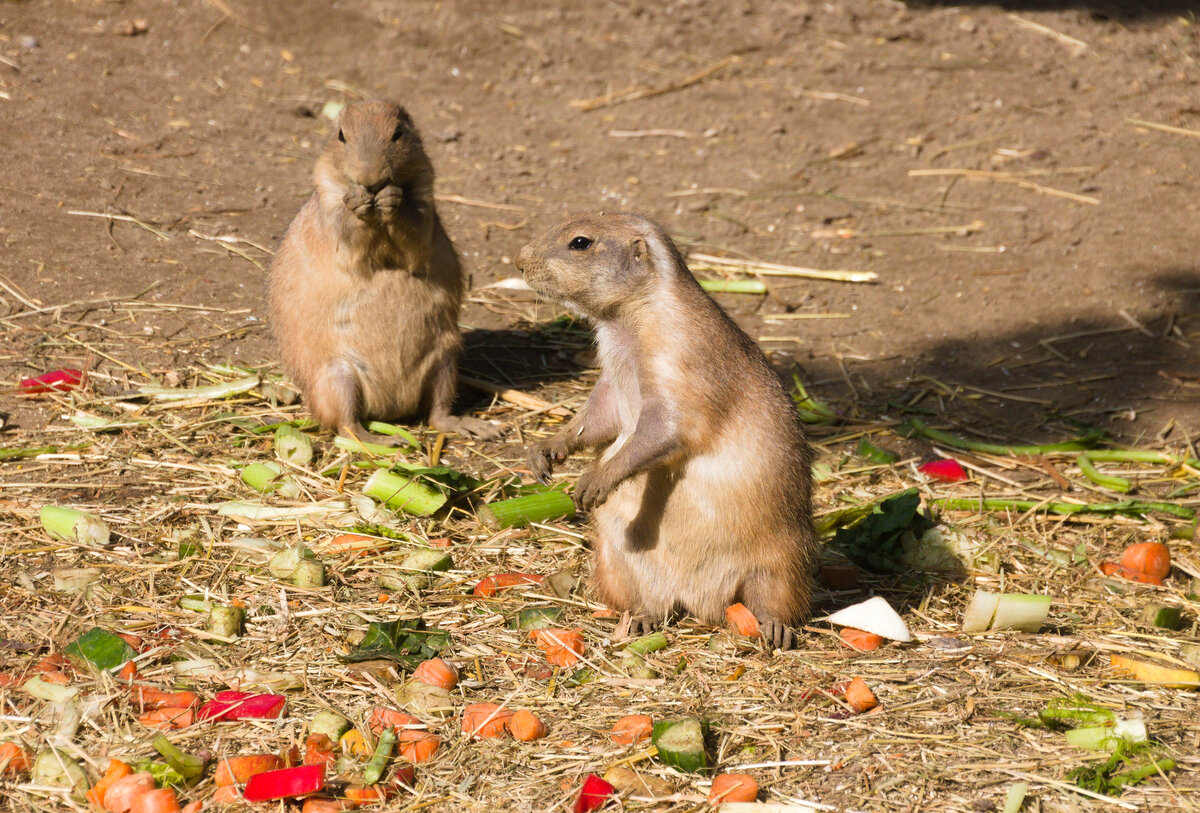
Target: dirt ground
[
  {"x": 1023, "y": 178},
  {"x": 1072, "y": 292}
]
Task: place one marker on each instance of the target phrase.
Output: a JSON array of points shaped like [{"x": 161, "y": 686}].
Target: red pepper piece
[
  {"x": 595, "y": 794},
  {"x": 54, "y": 381},
  {"x": 242, "y": 706},
  {"x": 285, "y": 783},
  {"x": 948, "y": 471}
]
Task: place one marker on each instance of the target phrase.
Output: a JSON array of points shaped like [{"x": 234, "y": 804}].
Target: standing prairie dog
[
  {"x": 366, "y": 286},
  {"x": 701, "y": 493}
]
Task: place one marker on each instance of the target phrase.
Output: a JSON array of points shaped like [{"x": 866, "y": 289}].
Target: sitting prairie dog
[
  {"x": 701, "y": 493},
  {"x": 366, "y": 286}
]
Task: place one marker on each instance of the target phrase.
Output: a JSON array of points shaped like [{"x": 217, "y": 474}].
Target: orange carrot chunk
[
  {"x": 14, "y": 758},
  {"x": 382, "y": 718},
  {"x": 860, "y": 640},
  {"x": 227, "y": 795},
  {"x": 1114, "y": 569},
  {"x": 119, "y": 796},
  {"x": 159, "y": 800},
  {"x": 489, "y": 586},
  {"x": 193, "y": 807},
  {"x": 525, "y": 726},
  {"x": 436, "y": 672},
  {"x": 238, "y": 770},
  {"x": 733, "y": 787},
  {"x": 419, "y": 748},
  {"x": 318, "y": 750},
  {"x": 485, "y": 719},
  {"x": 167, "y": 719},
  {"x": 859, "y": 696},
  {"x": 323, "y": 804},
  {"x": 561, "y": 646},
  {"x": 632, "y": 729},
  {"x": 742, "y": 620},
  {"x": 1151, "y": 558}
]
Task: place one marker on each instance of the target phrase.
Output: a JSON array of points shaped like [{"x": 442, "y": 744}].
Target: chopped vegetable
[
  {"x": 521, "y": 511},
  {"x": 989, "y": 611},
  {"x": 73, "y": 525},
  {"x": 944, "y": 470},
  {"x": 1075, "y": 710},
  {"x": 418, "y": 746},
  {"x": 329, "y": 723},
  {"x": 859, "y": 696},
  {"x": 733, "y": 787},
  {"x": 1125, "y": 507},
  {"x": 876, "y": 454},
  {"x": 355, "y": 744},
  {"x": 483, "y": 720},
  {"x": 63, "y": 380},
  {"x": 283, "y": 564},
  {"x": 562, "y": 647},
  {"x": 189, "y": 766},
  {"x": 1106, "y": 737},
  {"x": 876, "y": 543},
  {"x": 149, "y": 697},
  {"x": 742, "y": 620},
  {"x": 596, "y": 793},
  {"x": 874, "y": 615},
  {"x": 1015, "y": 797},
  {"x": 318, "y": 750},
  {"x": 1088, "y": 469},
  {"x": 356, "y": 545},
  {"x": 116, "y": 770},
  {"x": 403, "y": 493},
  {"x": 419, "y": 570},
  {"x": 628, "y": 781},
  {"x": 419, "y": 697},
  {"x": 536, "y": 618},
  {"x": 285, "y": 783},
  {"x": 1161, "y": 672},
  {"x": 101, "y": 649},
  {"x": 916, "y": 426},
  {"x": 405, "y": 641},
  {"x": 167, "y": 719},
  {"x": 647, "y": 644},
  {"x": 324, "y": 804},
  {"x": 632, "y": 729},
  {"x": 293, "y": 445},
  {"x": 489, "y": 586},
  {"x": 525, "y": 726},
  {"x": 733, "y": 286},
  {"x": 1160, "y": 615},
  {"x": 119, "y": 795},
  {"x": 269, "y": 478},
  {"x": 1151, "y": 558},
  {"x": 243, "y": 706},
  {"x": 436, "y": 672},
  {"x": 378, "y": 762},
  {"x": 159, "y": 800},
  {"x": 1107, "y": 778},
  {"x": 309, "y": 574},
  {"x": 238, "y": 770},
  {"x": 226, "y": 621},
  {"x": 57, "y": 768},
  {"x": 1113, "y": 569},
  {"x": 680, "y": 743},
  {"x": 44, "y": 688},
  {"x": 861, "y": 640},
  {"x": 14, "y": 758}
]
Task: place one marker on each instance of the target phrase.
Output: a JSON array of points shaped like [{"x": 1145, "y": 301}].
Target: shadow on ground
[{"x": 1123, "y": 12}]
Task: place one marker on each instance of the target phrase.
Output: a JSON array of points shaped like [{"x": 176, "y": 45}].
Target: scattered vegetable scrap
[
  {"x": 1146, "y": 562},
  {"x": 63, "y": 380},
  {"x": 733, "y": 787},
  {"x": 859, "y": 696},
  {"x": 561, "y": 646},
  {"x": 989, "y": 611},
  {"x": 595, "y": 794},
  {"x": 632, "y": 729},
  {"x": 944, "y": 471},
  {"x": 742, "y": 620}
]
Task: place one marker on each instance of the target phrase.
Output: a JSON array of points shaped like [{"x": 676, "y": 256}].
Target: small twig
[
  {"x": 1166, "y": 128},
  {"x": 631, "y": 94},
  {"x": 1079, "y": 46}
]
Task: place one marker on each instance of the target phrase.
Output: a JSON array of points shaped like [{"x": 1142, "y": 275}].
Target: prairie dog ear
[{"x": 639, "y": 251}]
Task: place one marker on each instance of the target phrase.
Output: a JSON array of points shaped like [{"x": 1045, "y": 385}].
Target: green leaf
[
  {"x": 405, "y": 641},
  {"x": 100, "y": 648},
  {"x": 876, "y": 543}
]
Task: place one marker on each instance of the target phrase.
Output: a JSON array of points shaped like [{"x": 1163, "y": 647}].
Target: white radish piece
[{"x": 874, "y": 615}]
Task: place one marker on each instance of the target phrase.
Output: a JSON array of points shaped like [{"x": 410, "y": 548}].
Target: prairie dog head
[
  {"x": 598, "y": 264},
  {"x": 375, "y": 145}
]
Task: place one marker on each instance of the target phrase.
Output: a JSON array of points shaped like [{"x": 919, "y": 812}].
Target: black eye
[
  {"x": 341, "y": 136},
  {"x": 398, "y": 133},
  {"x": 580, "y": 243}
]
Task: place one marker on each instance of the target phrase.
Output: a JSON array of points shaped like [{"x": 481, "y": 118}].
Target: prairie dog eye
[
  {"x": 398, "y": 133},
  {"x": 580, "y": 243},
  {"x": 341, "y": 136}
]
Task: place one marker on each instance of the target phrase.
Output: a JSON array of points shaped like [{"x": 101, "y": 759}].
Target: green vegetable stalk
[
  {"x": 521, "y": 511},
  {"x": 733, "y": 286},
  {"x": 72, "y": 525},
  {"x": 811, "y": 410},
  {"x": 268, "y": 478},
  {"x": 1111, "y": 482},
  {"x": 1135, "y": 507},
  {"x": 918, "y": 427},
  {"x": 225, "y": 621},
  {"x": 381, "y": 428},
  {"x": 403, "y": 494},
  {"x": 383, "y": 752},
  {"x": 293, "y": 445},
  {"x": 189, "y": 766},
  {"x": 647, "y": 644}
]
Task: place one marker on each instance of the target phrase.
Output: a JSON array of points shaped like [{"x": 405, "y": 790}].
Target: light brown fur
[
  {"x": 701, "y": 493},
  {"x": 366, "y": 286}
]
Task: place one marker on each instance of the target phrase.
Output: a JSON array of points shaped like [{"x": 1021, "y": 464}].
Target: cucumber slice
[
  {"x": 680, "y": 743},
  {"x": 420, "y": 569},
  {"x": 536, "y": 618},
  {"x": 329, "y": 723}
]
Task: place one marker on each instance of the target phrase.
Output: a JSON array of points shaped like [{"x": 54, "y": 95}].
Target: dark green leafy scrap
[
  {"x": 405, "y": 640},
  {"x": 876, "y": 543},
  {"x": 100, "y": 648},
  {"x": 1128, "y": 765}
]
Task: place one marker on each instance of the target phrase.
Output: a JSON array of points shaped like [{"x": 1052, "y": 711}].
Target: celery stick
[
  {"x": 1089, "y": 470},
  {"x": 733, "y": 286},
  {"x": 1015, "y": 797},
  {"x": 521, "y": 511},
  {"x": 293, "y": 446},
  {"x": 226, "y": 621},
  {"x": 268, "y": 478},
  {"x": 72, "y": 525},
  {"x": 646, "y": 644},
  {"x": 211, "y": 392},
  {"x": 403, "y": 494},
  {"x": 1123, "y": 507},
  {"x": 1077, "y": 445},
  {"x": 379, "y": 427}
]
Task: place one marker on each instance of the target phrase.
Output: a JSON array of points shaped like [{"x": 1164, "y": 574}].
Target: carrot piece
[
  {"x": 1162, "y": 672},
  {"x": 632, "y": 729},
  {"x": 57, "y": 662},
  {"x": 318, "y": 750},
  {"x": 193, "y": 807},
  {"x": 382, "y": 718},
  {"x": 485, "y": 719},
  {"x": 490, "y": 585},
  {"x": 227, "y": 795},
  {"x": 119, "y": 796},
  {"x": 116, "y": 770},
  {"x": 742, "y": 620},
  {"x": 733, "y": 787},
  {"x": 159, "y": 800},
  {"x": 238, "y": 770},
  {"x": 129, "y": 672},
  {"x": 14, "y": 758},
  {"x": 366, "y": 794},
  {"x": 525, "y": 726},
  {"x": 605, "y": 612},
  {"x": 1114, "y": 569},
  {"x": 860, "y": 640},
  {"x": 323, "y": 804},
  {"x": 561, "y": 646},
  {"x": 1151, "y": 558},
  {"x": 421, "y": 748},
  {"x": 149, "y": 697},
  {"x": 441, "y": 542},
  {"x": 167, "y": 719},
  {"x": 134, "y": 641},
  {"x": 859, "y": 696},
  {"x": 353, "y": 743},
  {"x": 356, "y": 545},
  {"x": 59, "y": 678},
  {"x": 436, "y": 672}
]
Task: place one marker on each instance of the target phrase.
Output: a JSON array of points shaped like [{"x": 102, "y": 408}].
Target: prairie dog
[
  {"x": 701, "y": 492},
  {"x": 365, "y": 289}
]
